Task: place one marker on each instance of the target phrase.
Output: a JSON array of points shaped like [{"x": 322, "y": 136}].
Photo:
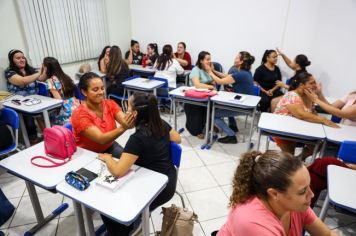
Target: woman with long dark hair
[
  {"x": 117, "y": 72},
  {"x": 134, "y": 55},
  {"x": 266, "y": 76},
  {"x": 152, "y": 54},
  {"x": 168, "y": 67},
  {"x": 104, "y": 59},
  {"x": 61, "y": 86},
  {"x": 21, "y": 80},
  {"x": 148, "y": 147}
]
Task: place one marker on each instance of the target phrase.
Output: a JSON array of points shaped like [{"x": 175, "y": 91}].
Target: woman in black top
[
  {"x": 266, "y": 76},
  {"x": 117, "y": 72},
  {"x": 134, "y": 55},
  {"x": 148, "y": 147}
]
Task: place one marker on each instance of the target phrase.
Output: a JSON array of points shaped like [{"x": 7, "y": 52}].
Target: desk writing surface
[
  {"x": 179, "y": 93},
  {"x": 48, "y": 178},
  {"x": 45, "y": 104},
  {"x": 126, "y": 203},
  {"x": 344, "y": 133},
  {"x": 143, "y": 83},
  {"x": 342, "y": 185},
  {"x": 228, "y": 98},
  {"x": 141, "y": 68},
  {"x": 290, "y": 126}
]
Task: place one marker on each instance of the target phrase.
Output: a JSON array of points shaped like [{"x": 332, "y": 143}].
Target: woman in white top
[{"x": 168, "y": 67}]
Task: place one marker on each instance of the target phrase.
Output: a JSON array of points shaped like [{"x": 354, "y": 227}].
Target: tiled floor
[{"x": 204, "y": 180}]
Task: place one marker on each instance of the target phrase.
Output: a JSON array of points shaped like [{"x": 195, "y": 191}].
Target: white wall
[
  {"x": 323, "y": 30},
  {"x": 12, "y": 35}
]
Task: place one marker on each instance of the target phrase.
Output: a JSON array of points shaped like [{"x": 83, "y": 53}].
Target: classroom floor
[{"x": 204, "y": 180}]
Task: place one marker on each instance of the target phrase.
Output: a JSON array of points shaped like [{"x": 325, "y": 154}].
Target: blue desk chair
[
  {"x": 163, "y": 98},
  {"x": 69, "y": 126},
  {"x": 42, "y": 89},
  {"x": 11, "y": 118},
  {"x": 124, "y": 97},
  {"x": 78, "y": 94},
  {"x": 176, "y": 154},
  {"x": 347, "y": 153}
]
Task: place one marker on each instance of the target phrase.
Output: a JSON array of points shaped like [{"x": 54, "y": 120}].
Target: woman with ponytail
[
  {"x": 271, "y": 196},
  {"x": 242, "y": 82},
  {"x": 148, "y": 147},
  {"x": 152, "y": 54},
  {"x": 168, "y": 67},
  {"x": 266, "y": 76}
]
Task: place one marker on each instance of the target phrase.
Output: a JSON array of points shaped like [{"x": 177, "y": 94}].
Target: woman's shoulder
[{"x": 9, "y": 72}]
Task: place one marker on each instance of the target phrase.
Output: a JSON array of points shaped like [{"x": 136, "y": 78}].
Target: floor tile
[
  {"x": 210, "y": 226},
  {"x": 49, "y": 229},
  {"x": 214, "y": 156},
  {"x": 198, "y": 178},
  {"x": 209, "y": 204},
  {"x": 223, "y": 172},
  {"x": 15, "y": 202},
  {"x": 190, "y": 159},
  {"x": 12, "y": 187}
]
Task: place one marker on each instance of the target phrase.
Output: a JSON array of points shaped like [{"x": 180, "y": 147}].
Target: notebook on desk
[{"x": 108, "y": 181}]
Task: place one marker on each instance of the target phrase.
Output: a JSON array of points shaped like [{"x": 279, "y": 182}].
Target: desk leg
[
  {"x": 207, "y": 124},
  {"x": 322, "y": 151},
  {"x": 324, "y": 209},
  {"x": 155, "y": 92},
  {"x": 258, "y": 141},
  {"x": 315, "y": 150},
  {"x": 24, "y": 131},
  {"x": 35, "y": 202},
  {"x": 79, "y": 218},
  {"x": 174, "y": 113},
  {"x": 88, "y": 219},
  {"x": 146, "y": 221},
  {"x": 212, "y": 123},
  {"x": 46, "y": 119},
  {"x": 249, "y": 146}
]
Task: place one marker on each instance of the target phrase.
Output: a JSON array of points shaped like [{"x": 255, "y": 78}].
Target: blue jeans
[{"x": 220, "y": 123}]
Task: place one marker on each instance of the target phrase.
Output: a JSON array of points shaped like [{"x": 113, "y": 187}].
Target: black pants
[
  {"x": 196, "y": 118},
  {"x": 265, "y": 102},
  {"x": 116, "y": 229},
  {"x": 30, "y": 127}
]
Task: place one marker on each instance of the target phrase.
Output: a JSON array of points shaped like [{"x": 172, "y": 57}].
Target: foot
[
  {"x": 200, "y": 136},
  {"x": 228, "y": 139}
]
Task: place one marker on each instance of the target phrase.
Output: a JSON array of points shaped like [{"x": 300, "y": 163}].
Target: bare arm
[
  {"x": 174, "y": 136},
  {"x": 121, "y": 167},
  {"x": 102, "y": 68},
  {"x": 22, "y": 81},
  {"x": 298, "y": 111},
  {"x": 182, "y": 62},
  {"x": 318, "y": 228},
  {"x": 129, "y": 58},
  {"x": 55, "y": 94},
  {"x": 226, "y": 80},
  {"x": 288, "y": 61},
  {"x": 94, "y": 133}
]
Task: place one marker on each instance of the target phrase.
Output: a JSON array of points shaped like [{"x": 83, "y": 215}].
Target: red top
[
  {"x": 83, "y": 118},
  {"x": 188, "y": 59}
]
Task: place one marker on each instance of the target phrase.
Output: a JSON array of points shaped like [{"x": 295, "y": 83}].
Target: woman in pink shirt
[{"x": 271, "y": 196}]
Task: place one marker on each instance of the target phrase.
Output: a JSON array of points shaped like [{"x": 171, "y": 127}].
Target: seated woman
[
  {"x": 152, "y": 54},
  {"x": 134, "y": 56},
  {"x": 296, "y": 103},
  {"x": 104, "y": 59},
  {"x": 94, "y": 121},
  {"x": 199, "y": 78},
  {"x": 266, "y": 76},
  {"x": 168, "y": 67},
  {"x": 271, "y": 196},
  {"x": 117, "y": 72},
  {"x": 6, "y": 139},
  {"x": 183, "y": 57},
  {"x": 61, "y": 86},
  {"x": 242, "y": 82},
  {"x": 148, "y": 147},
  {"x": 298, "y": 65},
  {"x": 21, "y": 80}
]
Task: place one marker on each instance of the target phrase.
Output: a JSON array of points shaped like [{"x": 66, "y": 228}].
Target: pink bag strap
[{"x": 55, "y": 164}]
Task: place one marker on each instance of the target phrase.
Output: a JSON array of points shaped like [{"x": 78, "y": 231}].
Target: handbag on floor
[
  {"x": 6, "y": 208},
  {"x": 177, "y": 221}
]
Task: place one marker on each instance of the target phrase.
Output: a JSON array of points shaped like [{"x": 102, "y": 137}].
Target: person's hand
[
  {"x": 311, "y": 95},
  {"x": 208, "y": 68},
  {"x": 279, "y": 52},
  {"x": 43, "y": 73},
  {"x": 280, "y": 84},
  {"x": 104, "y": 156},
  {"x": 269, "y": 93},
  {"x": 330, "y": 123},
  {"x": 318, "y": 90},
  {"x": 129, "y": 120}
]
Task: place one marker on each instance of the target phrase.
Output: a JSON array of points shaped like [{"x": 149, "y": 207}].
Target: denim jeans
[{"x": 220, "y": 123}]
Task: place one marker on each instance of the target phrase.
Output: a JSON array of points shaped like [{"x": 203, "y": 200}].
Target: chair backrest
[
  {"x": 256, "y": 90},
  {"x": 69, "y": 126},
  {"x": 218, "y": 66},
  {"x": 347, "y": 151},
  {"x": 78, "y": 94},
  {"x": 165, "y": 85},
  {"x": 176, "y": 154},
  {"x": 336, "y": 119},
  {"x": 133, "y": 77},
  {"x": 42, "y": 89},
  {"x": 10, "y": 117}
]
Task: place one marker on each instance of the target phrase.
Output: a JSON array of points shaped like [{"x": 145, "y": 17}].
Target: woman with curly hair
[{"x": 271, "y": 196}]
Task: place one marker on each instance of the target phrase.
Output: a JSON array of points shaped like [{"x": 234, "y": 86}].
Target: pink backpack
[
  {"x": 59, "y": 143},
  {"x": 201, "y": 94}
]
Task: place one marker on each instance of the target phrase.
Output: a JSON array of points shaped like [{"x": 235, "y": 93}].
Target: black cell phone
[
  {"x": 16, "y": 101},
  {"x": 237, "y": 97},
  {"x": 87, "y": 173}
]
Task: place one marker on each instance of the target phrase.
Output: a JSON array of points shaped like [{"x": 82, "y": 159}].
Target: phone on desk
[
  {"x": 87, "y": 173},
  {"x": 237, "y": 97}
]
